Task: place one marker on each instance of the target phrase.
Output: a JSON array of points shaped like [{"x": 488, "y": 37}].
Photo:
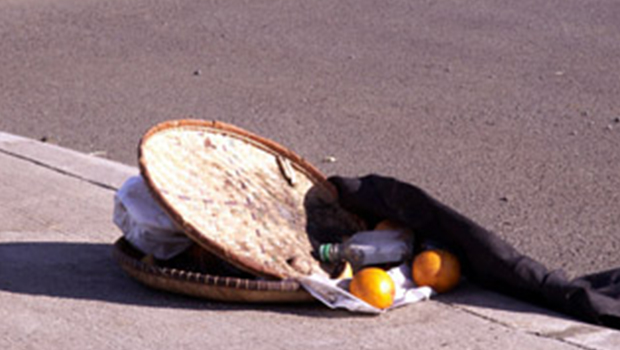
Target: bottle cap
[{"x": 324, "y": 250}]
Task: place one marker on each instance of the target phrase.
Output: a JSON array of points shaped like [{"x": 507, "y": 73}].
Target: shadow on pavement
[
  {"x": 87, "y": 271},
  {"x": 468, "y": 294}
]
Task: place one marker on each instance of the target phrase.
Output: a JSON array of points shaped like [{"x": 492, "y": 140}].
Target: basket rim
[{"x": 126, "y": 261}]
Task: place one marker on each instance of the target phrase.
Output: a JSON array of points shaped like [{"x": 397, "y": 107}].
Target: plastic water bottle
[{"x": 370, "y": 248}]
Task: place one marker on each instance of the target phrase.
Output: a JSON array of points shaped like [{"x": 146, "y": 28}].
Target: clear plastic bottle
[{"x": 370, "y": 248}]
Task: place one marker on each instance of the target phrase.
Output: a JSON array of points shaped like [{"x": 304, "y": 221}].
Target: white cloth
[{"x": 144, "y": 223}]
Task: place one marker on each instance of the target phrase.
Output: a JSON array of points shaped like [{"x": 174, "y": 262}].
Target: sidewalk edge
[{"x": 99, "y": 171}]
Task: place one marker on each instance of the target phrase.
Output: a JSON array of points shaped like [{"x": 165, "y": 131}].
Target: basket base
[{"x": 212, "y": 279}]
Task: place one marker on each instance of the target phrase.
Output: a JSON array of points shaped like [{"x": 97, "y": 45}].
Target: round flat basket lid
[{"x": 244, "y": 198}]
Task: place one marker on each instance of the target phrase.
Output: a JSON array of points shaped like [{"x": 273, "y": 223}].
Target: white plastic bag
[
  {"x": 334, "y": 293},
  {"x": 144, "y": 223}
]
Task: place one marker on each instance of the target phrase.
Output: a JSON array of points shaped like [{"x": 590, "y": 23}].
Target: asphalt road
[{"x": 508, "y": 111}]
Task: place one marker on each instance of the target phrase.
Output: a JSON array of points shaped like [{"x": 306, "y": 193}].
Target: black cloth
[{"x": 486, "y": 259}]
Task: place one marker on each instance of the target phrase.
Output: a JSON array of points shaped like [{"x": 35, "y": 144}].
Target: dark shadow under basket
[{"x": 208, "y": 286}]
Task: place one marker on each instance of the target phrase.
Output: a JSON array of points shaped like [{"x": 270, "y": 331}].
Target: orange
[
  {"x": 374, "y": 286},
  {"x": 387, "y": 225},
  {"x": 391, "y": 225},
  {"x": 344, "y": 271},
  {"x": 436, "y": 268},
  {"x": 347, "y": 272}
]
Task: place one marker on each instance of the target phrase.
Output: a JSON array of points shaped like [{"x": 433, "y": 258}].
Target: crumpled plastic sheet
[{"x": 334, "y": 292}]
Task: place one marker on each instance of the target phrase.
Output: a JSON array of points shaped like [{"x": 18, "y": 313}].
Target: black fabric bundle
[{"x": 487, "y": 260}]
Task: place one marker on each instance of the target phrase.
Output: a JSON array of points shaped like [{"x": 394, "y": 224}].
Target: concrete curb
[
  {"x": 533, "y": 319},
  {"x": 515, "y": 315},
  {"x": 96, "y": 170}
]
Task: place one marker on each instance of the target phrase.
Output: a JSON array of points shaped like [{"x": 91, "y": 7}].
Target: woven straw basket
[{"x": 245, "y": 201}]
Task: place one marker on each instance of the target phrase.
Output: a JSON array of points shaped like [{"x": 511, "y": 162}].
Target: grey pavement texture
[{"x": 60, "y": 289}]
